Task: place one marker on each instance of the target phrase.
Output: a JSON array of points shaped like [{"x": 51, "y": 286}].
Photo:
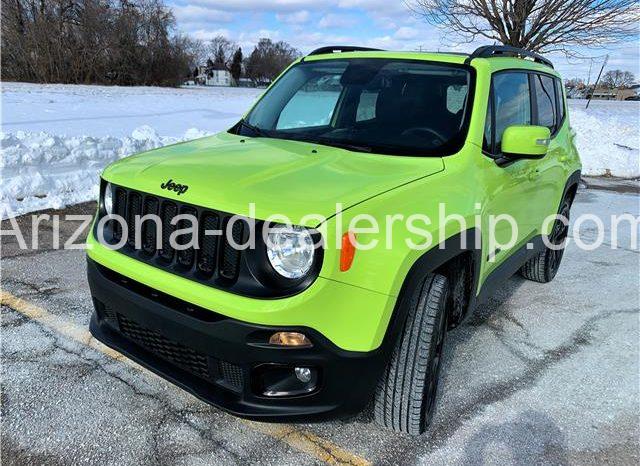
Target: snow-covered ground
[
  {"x": 116, "y": 111},
  {"x": 57, "y": 138},
  {"x": 608, "y": 137}
]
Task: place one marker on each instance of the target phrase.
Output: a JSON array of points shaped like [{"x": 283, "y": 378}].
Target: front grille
[
  {"x": 226, "y": 374},
  {"x": 213, "y": 259},
  {"x": 186, "y": 358}
]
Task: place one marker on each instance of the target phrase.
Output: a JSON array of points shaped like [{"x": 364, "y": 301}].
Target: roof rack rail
[
  {"x": 342, "y": 48},
  {"x": 487, "y": 51}
]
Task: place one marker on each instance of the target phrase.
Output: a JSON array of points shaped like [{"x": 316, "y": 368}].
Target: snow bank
[
  {"x": 77, "y": 110},
  {"x": 608, "y": 137},
  {"x": 41, "y": 171}
]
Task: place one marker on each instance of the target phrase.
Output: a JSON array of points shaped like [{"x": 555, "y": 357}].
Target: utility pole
[{"x": 595, "y": 86}]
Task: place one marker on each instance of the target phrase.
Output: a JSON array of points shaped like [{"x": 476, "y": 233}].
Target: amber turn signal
[
  {"x": 299, "y": 340},
  {"x": 348, "y": 251}
]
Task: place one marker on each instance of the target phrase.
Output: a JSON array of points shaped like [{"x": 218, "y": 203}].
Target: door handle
[{"x": 563, "y": 158}]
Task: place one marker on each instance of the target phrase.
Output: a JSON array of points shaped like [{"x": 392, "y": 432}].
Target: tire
[
  {"x": 543, "y": 267},
  {"x": 406, "y": 393}
]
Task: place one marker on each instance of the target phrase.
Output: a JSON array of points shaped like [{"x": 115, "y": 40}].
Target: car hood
[{"x": 229, "y": 173}]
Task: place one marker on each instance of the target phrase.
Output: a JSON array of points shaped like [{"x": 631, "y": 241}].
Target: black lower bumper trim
[{"x": 216, "y": 359}]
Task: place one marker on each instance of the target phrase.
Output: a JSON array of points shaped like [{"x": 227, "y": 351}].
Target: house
[
  {"x": 215, "y": 74},
  {"x": 632, "y": 93},
  {"x": 602, "y": 94}
]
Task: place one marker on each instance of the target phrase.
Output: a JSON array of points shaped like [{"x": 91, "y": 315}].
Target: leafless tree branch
[{"x": 537, "y": 25}]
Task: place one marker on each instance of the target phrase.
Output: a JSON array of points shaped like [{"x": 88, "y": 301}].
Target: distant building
[
  {"x": 214, "y": 75},
  {"x": 602, "y": 94},
  {"x": 633, "y": 93},
  {"x": 616, "y": 94}
]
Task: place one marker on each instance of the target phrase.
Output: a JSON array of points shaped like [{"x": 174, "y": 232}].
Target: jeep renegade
[{"x": 295, "y": 328}]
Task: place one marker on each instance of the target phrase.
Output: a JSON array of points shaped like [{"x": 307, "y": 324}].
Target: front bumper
[{"x": 219, "y": 359}]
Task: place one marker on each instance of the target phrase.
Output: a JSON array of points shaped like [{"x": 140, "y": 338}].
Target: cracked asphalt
[{"x": 540, "y": 374}]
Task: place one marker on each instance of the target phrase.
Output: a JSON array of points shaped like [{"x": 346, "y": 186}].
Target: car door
[
  {"x": 550, "y": 174},
  {"x": 509, "y": 189}
]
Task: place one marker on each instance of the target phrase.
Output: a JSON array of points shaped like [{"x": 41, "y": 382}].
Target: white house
[{"x": 215, "y": 75}]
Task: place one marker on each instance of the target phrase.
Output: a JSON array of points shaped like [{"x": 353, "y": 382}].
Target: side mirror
[{"x": 524, "y": 142}]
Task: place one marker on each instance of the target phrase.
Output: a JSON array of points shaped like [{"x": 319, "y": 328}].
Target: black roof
[{"x": 486, "y": 51}]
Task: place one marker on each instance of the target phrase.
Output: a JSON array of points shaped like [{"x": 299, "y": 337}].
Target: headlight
[
  {"x": 290, "y": 251},
  {"x": 107, "y": 200}
]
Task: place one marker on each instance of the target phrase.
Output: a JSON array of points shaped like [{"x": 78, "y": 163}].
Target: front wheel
[{"x": 406, "y": 393}]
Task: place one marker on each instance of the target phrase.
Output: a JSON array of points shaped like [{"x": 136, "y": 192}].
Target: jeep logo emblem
[{"x": 171, "y": 186}]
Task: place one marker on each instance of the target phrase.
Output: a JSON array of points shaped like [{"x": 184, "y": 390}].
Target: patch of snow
[
  {"x": 42, "y": 171},
  {"x": 77, "y": 110},
  {"x": 608, "y": 137}
]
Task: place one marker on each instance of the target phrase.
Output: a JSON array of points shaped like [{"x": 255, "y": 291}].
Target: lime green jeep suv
[{"x": 312, "y": 258}]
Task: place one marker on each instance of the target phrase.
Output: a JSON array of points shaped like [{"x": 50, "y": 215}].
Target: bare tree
[
  {"x": 574, "y": 83},
  {"x": 221, "y": 50},
  {"x": 537, "y": 25},
  {"x": 269, "y": 59},
  {"x": 618, "y": 79},
  {"x": 93, "y": 41}
]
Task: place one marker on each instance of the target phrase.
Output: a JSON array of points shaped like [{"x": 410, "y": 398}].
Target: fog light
[
  {"x": 296, "y": 339},
  {"x": 303, "y": 374},
  {"x": 276, "y": 380}
]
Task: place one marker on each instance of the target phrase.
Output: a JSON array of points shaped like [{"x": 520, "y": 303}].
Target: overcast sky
[{"x": 388, "y": 24}]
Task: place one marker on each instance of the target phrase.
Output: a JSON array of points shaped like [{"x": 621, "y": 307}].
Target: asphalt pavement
[{"x": 540, "y": 374}]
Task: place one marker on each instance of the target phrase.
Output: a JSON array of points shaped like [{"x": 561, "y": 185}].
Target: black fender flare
[
  {"x": 573, "y": 180},
  {"x": 426, "y": 264}
]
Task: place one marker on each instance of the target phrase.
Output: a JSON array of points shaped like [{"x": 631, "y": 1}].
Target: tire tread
[{"x": 399, "y": 400}]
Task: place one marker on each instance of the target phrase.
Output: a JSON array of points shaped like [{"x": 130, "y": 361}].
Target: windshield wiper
[
  {"x": 325, "y": 141},
  {"x": 258, "y": 132},
  {"x": 343, "y": 145}
]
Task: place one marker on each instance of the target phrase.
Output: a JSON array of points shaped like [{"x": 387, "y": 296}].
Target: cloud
[
  {"x": 332, "y": 20},
  {"x": 207, "y": 35},
  {"x": 388, "y": 6},
  {"x": 277, "y": 6},
  {"x": 299, "y": 17},
  {"x": 406, "y": 33},
  {"x": 198, "y": 14},
  {"x": 309, "y": 41}
]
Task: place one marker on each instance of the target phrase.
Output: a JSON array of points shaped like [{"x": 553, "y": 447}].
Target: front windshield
[{"x": 370, "y": 105}]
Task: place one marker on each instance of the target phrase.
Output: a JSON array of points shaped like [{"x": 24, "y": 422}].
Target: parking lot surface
[{"x": 544, "y": 374}]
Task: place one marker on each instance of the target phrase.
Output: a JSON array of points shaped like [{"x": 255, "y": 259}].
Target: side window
[
  {"x": 367, "y": 105},
  {"x": 544, "y": 88},
  {"x": 512, "y": 103},
  {"x": 561, "y": 104}
]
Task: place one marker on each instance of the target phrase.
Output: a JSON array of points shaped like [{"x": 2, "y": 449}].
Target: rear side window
[
  {"x": 487, "y": 139},
  {"x": 544, "y": 88},
  {"x": 511, "y": 104},
  {"x": 560, "y": 100}
]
